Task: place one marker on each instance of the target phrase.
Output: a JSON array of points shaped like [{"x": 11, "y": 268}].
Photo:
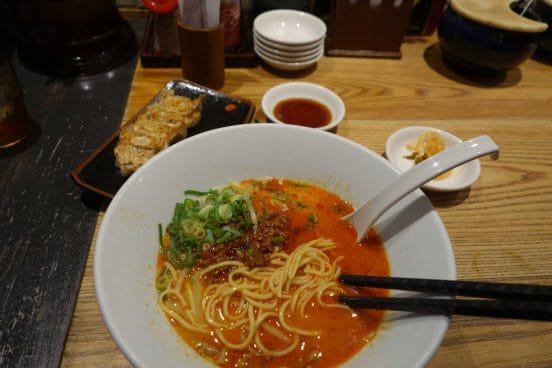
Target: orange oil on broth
[{"x": 316, "y": 213}]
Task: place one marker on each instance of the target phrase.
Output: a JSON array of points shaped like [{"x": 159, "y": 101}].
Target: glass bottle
[{"x": 230, "y": 15}]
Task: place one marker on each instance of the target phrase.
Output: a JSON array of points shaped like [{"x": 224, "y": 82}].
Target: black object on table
[{"x": 45, "y": 226}]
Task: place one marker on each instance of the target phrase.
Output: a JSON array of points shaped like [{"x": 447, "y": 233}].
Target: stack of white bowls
[{"x": 289, "y": 39}]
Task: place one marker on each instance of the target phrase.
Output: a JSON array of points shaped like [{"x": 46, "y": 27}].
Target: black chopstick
[
  {"x": 517, "y": 309},
  {"x": 448, "y": 287},
  {"x": 519, "y": 301}
]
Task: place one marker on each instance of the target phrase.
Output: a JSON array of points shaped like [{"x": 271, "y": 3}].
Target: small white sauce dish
[
  {"x": 305, "y": 90},
  {"x": 396, "y": 151}
]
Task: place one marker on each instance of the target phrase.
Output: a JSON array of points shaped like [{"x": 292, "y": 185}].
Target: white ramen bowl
[{"x": 415, "y": 238}]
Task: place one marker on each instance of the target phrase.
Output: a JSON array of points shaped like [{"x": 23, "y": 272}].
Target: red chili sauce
[{"x": 303, "y": 111}]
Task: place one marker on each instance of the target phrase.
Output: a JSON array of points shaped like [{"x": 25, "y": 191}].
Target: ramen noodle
[{"x": 248, "y": 275}]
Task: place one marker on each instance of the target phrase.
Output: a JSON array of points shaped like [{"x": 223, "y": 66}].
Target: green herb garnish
[
  {"x": 277, "y": 239},
  {"x": 210, "y": 218},
  {"x": 312, "y": 221},
  {"x": 163, "y": 279},
  {"x": 299, "y": 184},
  {"x": 160, "y": 238},
  {"x": 280, "y": 195}
]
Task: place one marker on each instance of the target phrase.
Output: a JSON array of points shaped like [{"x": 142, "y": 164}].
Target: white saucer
[
  {"x": 462, "y": 177},
  {"x": 283, "y": 65}
]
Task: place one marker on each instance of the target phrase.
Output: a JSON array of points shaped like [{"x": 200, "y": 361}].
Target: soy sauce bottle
[{"x": 230, "y": 14}]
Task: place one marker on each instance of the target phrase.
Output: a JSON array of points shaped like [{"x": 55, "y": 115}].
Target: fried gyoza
[{"x": 162, "y": 123}]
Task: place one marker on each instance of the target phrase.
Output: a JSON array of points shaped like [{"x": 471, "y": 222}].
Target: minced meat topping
[{"x": 253, "y": 248}]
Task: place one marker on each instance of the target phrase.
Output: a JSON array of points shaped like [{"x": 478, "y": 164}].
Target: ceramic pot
[
  {"x": 543, "y": 8},
  {"x": 478, "y": 47}
]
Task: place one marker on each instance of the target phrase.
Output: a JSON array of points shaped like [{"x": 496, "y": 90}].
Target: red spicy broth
[{"x": 313, "y": 213}]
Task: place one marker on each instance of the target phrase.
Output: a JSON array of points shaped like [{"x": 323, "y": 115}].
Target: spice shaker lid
[{"x": 496, "y": 14}]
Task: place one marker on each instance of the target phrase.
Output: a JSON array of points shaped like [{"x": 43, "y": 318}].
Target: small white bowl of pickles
[{"x": 408, "y": 146}]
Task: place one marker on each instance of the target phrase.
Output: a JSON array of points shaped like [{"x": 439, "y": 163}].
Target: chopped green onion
[
  {"x": 214, "y": 217},
  {"x": 280, "y": 195},
  {"x": 225, "y": 212},
  {"x": 204, "y": 212},
  {"x": 188, "y": 203},
  {"x": 312, "y": 220},
  {"x": 209, "y": 236},
  {"x": 160, "y": 239},
  {"x": 160, "y": 234},
  {"x": 232, "y": 231},
  {"x": 163, "y": 279},
  {"x": 198, "y": 193}
]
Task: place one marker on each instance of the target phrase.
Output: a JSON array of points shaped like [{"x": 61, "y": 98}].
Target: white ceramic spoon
[{"x": 367, "y": 214}]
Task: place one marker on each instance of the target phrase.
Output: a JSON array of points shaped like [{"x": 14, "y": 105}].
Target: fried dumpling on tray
[{"x": 160, "y": 124}]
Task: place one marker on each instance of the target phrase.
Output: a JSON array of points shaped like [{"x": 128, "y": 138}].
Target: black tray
[{"x": 98, "y": 172}]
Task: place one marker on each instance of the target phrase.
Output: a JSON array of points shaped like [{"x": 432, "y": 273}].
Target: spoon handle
[{"x": 366, "y": 215}]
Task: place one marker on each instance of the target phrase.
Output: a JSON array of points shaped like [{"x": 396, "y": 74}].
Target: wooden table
[{"x": 501, "y": 228}]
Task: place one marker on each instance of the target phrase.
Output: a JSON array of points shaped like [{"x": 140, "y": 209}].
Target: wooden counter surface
[{"x": 501, "y": 229}]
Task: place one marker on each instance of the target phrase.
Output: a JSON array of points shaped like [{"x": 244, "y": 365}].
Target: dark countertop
[{"x": 46, "y": 220}]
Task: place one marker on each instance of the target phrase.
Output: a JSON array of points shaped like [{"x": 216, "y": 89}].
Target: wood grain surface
[{"x": 500, "y": 228}]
